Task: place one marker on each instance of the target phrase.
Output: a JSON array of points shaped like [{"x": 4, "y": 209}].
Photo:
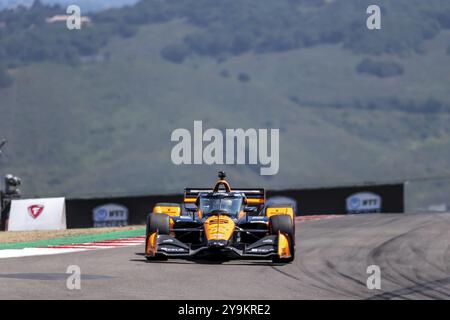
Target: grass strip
[{"x": 74, "y": 239}]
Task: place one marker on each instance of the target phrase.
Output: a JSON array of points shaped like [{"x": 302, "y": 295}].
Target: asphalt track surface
[{"x": 332, "y": 257}]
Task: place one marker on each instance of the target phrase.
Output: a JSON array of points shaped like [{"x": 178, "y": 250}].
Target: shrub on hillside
[
  {"x": 381, "y": 69},
  {"x": 127, "y": 31},
  {"x": 243, "y": 77},
  {"x": 224, "y": 73},
  {"x": 175, "y": 53}
]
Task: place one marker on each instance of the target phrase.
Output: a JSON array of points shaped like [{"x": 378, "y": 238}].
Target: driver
[{"x": 226, "y": 204}]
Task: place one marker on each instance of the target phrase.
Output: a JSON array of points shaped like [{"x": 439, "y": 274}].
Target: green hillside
[{"x": 101, "y": 124}]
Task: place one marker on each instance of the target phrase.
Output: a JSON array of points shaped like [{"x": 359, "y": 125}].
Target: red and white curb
[
  {"x": 317, "y": 217},
  {"x": 70, "y": 248},
  {"x": 105, "y": 244}
]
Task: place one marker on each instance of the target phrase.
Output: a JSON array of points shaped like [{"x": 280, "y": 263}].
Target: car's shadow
[{"x": 209, "y": 260}]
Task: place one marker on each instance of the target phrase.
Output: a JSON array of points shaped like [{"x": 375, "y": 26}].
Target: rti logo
[
  {"x": 364, "y": 202},
  {"x": 35, "y": 210},
  {"x": 110, "y": 215}
]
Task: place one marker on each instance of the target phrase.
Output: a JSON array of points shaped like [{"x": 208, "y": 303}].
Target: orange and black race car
[{"x": 225, "y": 221}]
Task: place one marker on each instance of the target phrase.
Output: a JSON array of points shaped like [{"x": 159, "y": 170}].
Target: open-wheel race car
[{"x": 225, "y": 221}]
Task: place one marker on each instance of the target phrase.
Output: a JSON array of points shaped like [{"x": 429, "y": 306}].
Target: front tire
[
  {"x": 285, "y": 225},
  {"x": 157, "y": 223}
]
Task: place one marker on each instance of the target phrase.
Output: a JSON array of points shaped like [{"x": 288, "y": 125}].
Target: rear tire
[
  {"x": 285, "y": 225},
  {"x": 157, "y": 222}
]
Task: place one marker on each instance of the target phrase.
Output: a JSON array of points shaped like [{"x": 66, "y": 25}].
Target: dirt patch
[{"x": 27, "y": 236}]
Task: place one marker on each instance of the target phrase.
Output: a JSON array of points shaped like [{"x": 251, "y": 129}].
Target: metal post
[{"x": 2, "y": 144}]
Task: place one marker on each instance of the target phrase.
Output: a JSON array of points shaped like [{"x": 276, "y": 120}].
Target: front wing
[{"x": 169, "y": 246}]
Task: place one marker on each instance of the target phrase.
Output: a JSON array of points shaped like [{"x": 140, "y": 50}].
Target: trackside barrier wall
[
  {"x": 340, "y": 200},
  {"x": 387, "y": 198},
  {"x": 80, "y": 212}
]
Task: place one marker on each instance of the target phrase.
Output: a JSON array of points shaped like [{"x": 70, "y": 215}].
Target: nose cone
[{"x": 219, "y": 229}]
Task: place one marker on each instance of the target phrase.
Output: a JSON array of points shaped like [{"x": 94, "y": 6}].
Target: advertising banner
[
  {"x": 37, "y": 214},
  {"x": 110, "y": 215},
  {"x": 364, "y": 202}
]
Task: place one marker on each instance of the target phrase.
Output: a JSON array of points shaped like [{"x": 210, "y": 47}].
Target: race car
[{"x": 221, "y": 221}]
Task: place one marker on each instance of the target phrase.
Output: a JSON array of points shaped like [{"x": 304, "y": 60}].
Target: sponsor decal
[
  {"x": 250, "y": 218},
  {"x": 35, "y": 210},
  {"x": 184, "y": 218},
  {"x": 167, "y": 249},
  {"x": 110, "y": 215},
  {"x": 364, "y": 202},
  {"x": 261, "y": 250}
]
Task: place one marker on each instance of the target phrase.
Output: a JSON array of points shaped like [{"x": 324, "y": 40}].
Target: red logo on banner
[{"x": 35, "y": 210}]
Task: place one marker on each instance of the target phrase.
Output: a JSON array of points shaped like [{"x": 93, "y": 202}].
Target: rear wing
[{"x": 254, "y": 197}]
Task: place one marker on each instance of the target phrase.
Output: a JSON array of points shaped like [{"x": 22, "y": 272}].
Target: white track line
[
  {"x": 70, "y": 248},
  {"x": 28, "y": 252}
]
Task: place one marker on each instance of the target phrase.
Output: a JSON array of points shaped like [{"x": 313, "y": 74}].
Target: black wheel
[
  {"x": 285, "y": 225},
  {"x": 157, "y": 222}
]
